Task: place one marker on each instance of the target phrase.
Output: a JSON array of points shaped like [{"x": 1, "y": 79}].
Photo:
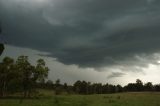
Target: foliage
[
  {"x": 6, "y": 74},
  {"x": 20, "y": 75}
]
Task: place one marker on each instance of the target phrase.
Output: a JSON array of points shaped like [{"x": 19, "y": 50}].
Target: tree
[
  {"x": 49, "y": 84},
  {"x": 157, "y": 87},
  {"x": 30, "y": 74},
  {"x": 119, "y": 88},
  {"x": 26, "y": 70},
  {"x": 84, "y": 87},
  {"x": 5, "y": 74},
  {"x": 21, "y": 76},
  {"x": 57, "y": 87},
  {"x": 77, "y": 87},
  {"x": 139, "y": 85},
  {"x": 41, "y": 71},
  {"x": 131, "y": 87},
  {"x": 65, "y": 87},
  {"x": 148, "y": 86}
]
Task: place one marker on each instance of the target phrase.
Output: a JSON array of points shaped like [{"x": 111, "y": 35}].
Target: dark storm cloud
[{"x": 89, "y": 33}]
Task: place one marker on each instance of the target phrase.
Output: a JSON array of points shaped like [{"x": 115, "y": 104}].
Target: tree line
[
  {"x": 20, "y": 76},
  {"x": 87, "y": 88}
]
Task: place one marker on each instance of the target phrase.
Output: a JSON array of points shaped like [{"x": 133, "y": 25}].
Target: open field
[{"x": 123, "y": 99}]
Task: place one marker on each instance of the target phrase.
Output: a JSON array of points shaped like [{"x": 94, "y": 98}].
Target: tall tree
[
  {"x": 77, "y": 87},
  {"x": 41, "y": 71},
  {"x": 5, "y": 74},
  {"x": 26, "y": 70},
  {"x": 139, "y": 85}
]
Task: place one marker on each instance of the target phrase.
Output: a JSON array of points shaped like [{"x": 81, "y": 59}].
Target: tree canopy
[{"x": 21, "y": 75}]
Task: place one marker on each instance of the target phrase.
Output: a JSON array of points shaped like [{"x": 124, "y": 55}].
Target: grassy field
[{"x": 123, "y": 99}]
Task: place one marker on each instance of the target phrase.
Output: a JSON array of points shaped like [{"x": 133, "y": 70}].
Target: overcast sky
[{"x": 114, "y": 41}]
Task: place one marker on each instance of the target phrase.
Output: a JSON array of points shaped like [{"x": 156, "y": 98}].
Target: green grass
[{"x": 122, "y": 99}]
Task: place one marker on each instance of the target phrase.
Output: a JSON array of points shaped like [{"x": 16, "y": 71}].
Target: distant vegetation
[
  {"x": 22, "y": 78},
  {"x": 87, "y": 88}
]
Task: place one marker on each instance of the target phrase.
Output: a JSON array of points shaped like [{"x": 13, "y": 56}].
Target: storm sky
[{"x": 115, "y": 41}]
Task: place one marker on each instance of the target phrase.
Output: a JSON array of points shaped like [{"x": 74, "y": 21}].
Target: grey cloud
[
  {"x": 115, "y": 74},
  {"x": 133, "y": 22},
  {"x": 88, "y": 33}
]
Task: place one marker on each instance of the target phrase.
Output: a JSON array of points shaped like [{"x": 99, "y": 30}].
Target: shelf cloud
[{"x": 87, "y": 33}]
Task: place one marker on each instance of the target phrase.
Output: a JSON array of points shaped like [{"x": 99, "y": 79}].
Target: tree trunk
[{"x": 3, "y": 88}]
